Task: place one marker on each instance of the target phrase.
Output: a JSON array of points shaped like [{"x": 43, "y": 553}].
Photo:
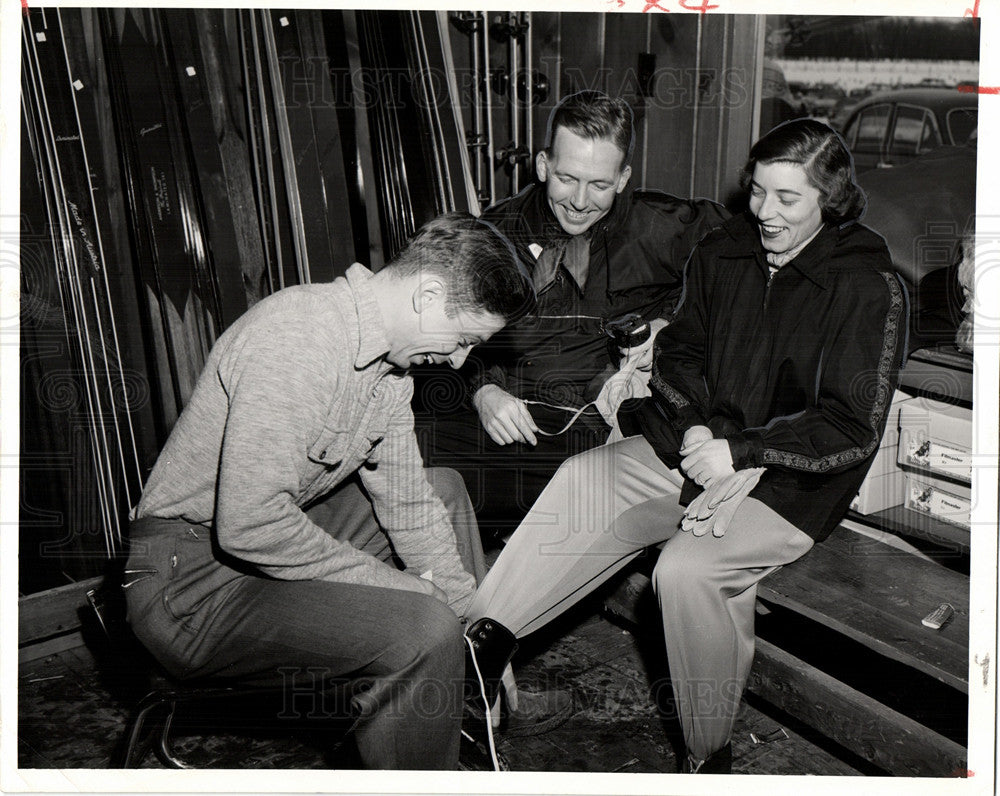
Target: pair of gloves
[{"x": 714, "y": 508}]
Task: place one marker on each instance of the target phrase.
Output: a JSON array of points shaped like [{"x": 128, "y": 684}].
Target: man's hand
[
  {"x": 706, "y": 461},
  {"x": 424, "y": 585},
  {"x": 437, "y": 591},
  {"x": 505, "y": 417},
  {"x": 643, "y": 354}
]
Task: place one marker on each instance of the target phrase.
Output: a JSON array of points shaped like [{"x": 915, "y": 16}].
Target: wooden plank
[
  {"x": 729, "y": 56},
  {"x": 44, "y": 649},
  {"x": 625, "y": 38},
  {"x": 53, "y": 611},
  {"x": 928, "y": 373},
  {"x": 879, "y": 734},
  {"x": 903, "y": 522},
  {"x": 869, "y": 591},
  {"x": 877, "y": 595}
]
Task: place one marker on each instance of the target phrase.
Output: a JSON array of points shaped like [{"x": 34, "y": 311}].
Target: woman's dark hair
[
  {"x": 476, "y": 262},
  {"x": 594, "y": 115},
  {"x": 823, "y": 155}
]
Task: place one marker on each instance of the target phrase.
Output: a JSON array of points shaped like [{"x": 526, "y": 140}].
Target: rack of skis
[{"x": 177, "y": 166}]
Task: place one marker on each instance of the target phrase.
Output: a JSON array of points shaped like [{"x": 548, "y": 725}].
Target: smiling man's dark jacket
[{"x": 636, "y": 263}]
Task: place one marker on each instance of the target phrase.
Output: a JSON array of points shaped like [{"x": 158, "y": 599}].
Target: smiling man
[
  {"x": 263, "y": 546},
  {"x": 582, "y": 177},
  {"x": 597, "y": 251}
]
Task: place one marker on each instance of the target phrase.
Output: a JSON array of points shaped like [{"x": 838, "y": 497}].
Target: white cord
[
  {"x": 482, "y": 691},
  {"x": 576, "y": 414},
  {"x": 570, "y": 317},
  {"x": 630, "y": 366}
]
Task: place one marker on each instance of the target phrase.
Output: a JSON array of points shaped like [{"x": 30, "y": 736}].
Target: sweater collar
[
  {"x": 811, "y": 262},
  {"x": 373, "y": 339}
]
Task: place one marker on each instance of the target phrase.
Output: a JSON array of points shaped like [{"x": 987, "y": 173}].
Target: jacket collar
[
  {"x": 373, "y": 339},
  {"x": 812, "y": 262}
]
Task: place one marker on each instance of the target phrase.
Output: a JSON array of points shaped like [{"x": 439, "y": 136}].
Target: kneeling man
[{"x": 289, "y": 523}]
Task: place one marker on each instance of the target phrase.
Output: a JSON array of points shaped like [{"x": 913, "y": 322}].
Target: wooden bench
[{"x": 875, "y": 594}]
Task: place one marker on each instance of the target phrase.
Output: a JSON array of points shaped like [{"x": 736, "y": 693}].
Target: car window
[
  {"x": 850, "y": 131},
  {"x": 961, "y": 123},
  {"x": 914, "y": 131},
  {"x": 872, "y": 124}
]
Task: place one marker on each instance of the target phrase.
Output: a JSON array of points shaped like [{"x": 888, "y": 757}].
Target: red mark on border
[
  {"x": 979, "y": 89},
  {"x": 972, "y": 12},
  {"x": 701, "y": 6},
  {"x": 704, "y": 7},
  {"x": 24, "y": 7},
  {"x": 963, "y": 772}
]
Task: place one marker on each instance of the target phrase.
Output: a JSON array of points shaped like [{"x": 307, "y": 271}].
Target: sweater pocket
[{"x": 332, "y": 449}]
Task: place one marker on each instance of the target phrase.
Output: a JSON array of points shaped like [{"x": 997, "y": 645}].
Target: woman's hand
[
  {"x": 706, "y": 461},
  {"x": 693, "y": 437}
]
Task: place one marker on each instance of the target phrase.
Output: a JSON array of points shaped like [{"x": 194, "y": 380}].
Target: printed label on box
[
  {"x": 931, "y": 500},
  {"x": 924, "y": 452}
]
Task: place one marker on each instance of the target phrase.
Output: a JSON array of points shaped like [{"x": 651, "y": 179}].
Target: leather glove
[{"x": 714, "y": 508}]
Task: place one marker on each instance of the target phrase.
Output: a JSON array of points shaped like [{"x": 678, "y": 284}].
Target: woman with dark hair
[
  {"x": 825, "y": 162},
  {"x": 771, "y": 387}
]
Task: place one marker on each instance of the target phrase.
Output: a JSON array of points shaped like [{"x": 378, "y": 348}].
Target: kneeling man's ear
[{"x": 428, "y": 292}]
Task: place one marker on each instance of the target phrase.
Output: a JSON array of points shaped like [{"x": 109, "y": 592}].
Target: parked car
[
  {"x": 820, "y": 100},
  {"x": 925, "y": 209},
  {"x": 893, "y": 127}
]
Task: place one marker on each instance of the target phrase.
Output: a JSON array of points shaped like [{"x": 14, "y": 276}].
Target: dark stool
[
  {"x": 159, "y": 707},
  {"x": 154, "y": 714}
]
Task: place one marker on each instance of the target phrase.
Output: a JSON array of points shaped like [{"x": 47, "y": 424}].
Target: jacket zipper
[{"x": 767, "y": 286}]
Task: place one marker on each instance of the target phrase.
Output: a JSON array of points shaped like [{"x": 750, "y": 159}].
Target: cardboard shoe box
[
  {"x": 885, "y": 484},
  {"x": 944, "y": 500},
  {"x": 881, "y": 492},
  {"x": 936, "y": 437}
]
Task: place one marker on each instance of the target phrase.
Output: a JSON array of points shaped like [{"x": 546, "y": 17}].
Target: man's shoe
[
  {"x": 720, "y": 762},
  {"x": 537, "y": 712},
  {"x": 493, "y": 645}
]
